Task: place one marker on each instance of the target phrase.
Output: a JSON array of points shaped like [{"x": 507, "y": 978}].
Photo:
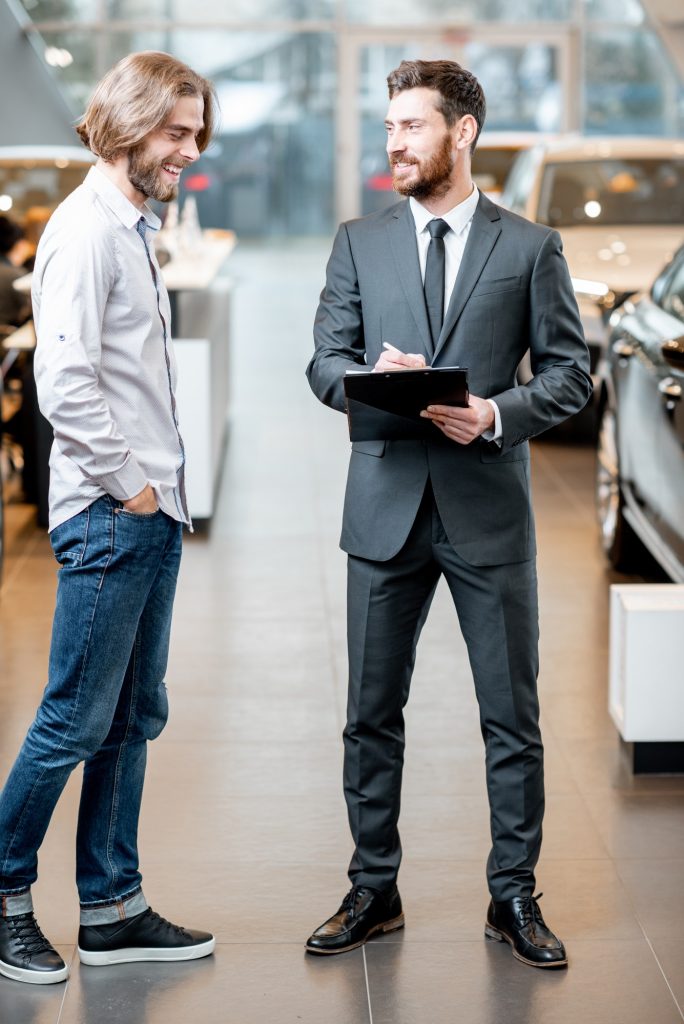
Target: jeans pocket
[
  {"x": 69, "y": 539},
  {"x": 136, "y": 515},
  {"x": 144, "y": 533}
]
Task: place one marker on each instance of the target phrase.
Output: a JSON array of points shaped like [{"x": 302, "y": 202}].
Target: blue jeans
[{"x": 104, "y": 700}]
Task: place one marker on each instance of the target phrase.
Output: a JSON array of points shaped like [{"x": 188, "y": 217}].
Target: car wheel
[{"x": 621, "y": 545}]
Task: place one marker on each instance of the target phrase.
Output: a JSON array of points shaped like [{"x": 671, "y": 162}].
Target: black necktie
[{"x": 434, "y": 277}]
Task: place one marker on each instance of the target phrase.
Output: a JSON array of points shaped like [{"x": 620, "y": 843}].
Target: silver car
[{"x": 640, "y": 464}]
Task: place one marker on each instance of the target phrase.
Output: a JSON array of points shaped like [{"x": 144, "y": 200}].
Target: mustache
[{"x": 398, "y": 158}]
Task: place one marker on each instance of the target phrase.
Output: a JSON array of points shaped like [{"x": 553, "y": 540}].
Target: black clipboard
[{"x": 386, "y": 406}]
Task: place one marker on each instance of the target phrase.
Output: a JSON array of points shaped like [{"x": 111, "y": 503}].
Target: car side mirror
[
  {"x": 673, "y": 353},
  {"x": 658, "y": 289}
]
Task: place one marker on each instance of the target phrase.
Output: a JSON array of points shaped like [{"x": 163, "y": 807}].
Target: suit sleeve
[
  {"x": 338, "y": 327},
  {"x": 561, "y": 385}
]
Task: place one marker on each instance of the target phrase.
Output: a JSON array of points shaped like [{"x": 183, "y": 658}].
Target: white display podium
[
  {"x": 200, "y": 294},
  {"x": 646, "y": 697}
]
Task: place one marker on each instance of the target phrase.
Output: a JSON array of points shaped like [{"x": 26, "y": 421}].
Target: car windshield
[{"x": 613, "y": 191}]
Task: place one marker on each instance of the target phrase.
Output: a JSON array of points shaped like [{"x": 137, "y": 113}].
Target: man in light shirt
[
  {"x": 106, "y": 380},
  {"x": 448, "y": 279}
]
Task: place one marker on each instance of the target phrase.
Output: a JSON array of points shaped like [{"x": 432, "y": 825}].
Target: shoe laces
[
  {"x": 152, "y": 915},
  {"x": 529, "y": 910},
  {"x": 26, "y": 931},
  {"x": 352, "y": 899}
]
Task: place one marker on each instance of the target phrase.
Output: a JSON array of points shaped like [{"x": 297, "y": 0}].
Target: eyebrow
[
  {"x": 406, "y": 120},
  {"x": 182, "y": 128}
]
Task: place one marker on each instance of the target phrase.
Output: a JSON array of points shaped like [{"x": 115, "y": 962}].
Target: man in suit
[{"x": 446, "y": 278}]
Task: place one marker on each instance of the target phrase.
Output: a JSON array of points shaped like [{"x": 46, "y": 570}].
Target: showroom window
[
  {"x": 303, "y": 93},
  {"x": 629, "y": 88}
]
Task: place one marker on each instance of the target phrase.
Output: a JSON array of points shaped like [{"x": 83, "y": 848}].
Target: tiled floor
[{"x": 244, "y": 827}]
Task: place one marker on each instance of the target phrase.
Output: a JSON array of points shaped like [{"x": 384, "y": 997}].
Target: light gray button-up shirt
[{"x": 104, "y": 364}]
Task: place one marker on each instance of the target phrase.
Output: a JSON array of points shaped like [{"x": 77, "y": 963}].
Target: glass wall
[
  {"x": 302, "y": 84},
  {"x": 629, "y": 88},
  {"x": 456, "y": 12}
]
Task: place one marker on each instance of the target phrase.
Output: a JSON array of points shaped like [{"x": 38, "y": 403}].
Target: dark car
[{"x": 640, "y": 465}]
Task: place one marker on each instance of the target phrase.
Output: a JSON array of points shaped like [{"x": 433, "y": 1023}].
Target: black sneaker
[
  {"x": 146, "y": 936},
  {"x": 25, "y": 953}
]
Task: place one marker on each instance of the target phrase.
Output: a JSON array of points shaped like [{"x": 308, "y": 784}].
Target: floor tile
[
  {"x": 249, "y": 984},
  {"x": 670, "y": 955},
  {"x": 656, "y": 890},
  {"x": 33, "y": 1004},
  {"x": 605, "y": 765},
  {"x": 639, "y": 825},
  {"x": 618, "y": 983}
]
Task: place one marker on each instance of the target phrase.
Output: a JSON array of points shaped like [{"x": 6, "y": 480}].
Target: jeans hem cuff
[
  {"x": 13, "y": 903},
  {"x": 121, "y": 909}
]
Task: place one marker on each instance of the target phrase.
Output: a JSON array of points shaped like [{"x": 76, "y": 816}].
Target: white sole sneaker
[
  {"x": 33, "y": 977},
  {"x": 132, "y": 955}
]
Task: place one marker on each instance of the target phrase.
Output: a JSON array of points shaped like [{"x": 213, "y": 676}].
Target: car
[
  {"x": 640, "y": 458},
  {"x": 618, "y": 204},
  {"x": 495, "y": 155}
]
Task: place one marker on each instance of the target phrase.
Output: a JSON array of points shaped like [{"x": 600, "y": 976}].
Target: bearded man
[
  {"x": 446, "y": 278},
  {"x": 106, "y": 380}
]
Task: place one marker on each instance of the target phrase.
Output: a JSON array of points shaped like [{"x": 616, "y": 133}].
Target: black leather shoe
[
  {"x": 25, "y": 953},
  {"x": 363, "y": 913},
  {"x": 520, "y": 923},
  {"x": 146, "y": 936}
]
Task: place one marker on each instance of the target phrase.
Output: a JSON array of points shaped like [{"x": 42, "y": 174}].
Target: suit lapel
[
  {"x": 402, "y": 232},
  {"x": 484, "y": 232}
]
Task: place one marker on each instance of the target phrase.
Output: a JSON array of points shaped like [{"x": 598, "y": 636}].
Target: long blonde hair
[{"x": 136, "y": 97}]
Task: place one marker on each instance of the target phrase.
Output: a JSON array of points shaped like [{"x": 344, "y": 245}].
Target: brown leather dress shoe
[
  {"x": 520, "y": 923},
  {"x": 363, "y": 913}
]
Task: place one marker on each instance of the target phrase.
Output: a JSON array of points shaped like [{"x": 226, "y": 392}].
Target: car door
[
  {"x": 635, "y": 381},
  {"x": 669, "y": 403}
]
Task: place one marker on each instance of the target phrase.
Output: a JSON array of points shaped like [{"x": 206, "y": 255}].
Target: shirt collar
[
  {"x": 457, "y": 218},
  {"x": 123, "y": 208}
]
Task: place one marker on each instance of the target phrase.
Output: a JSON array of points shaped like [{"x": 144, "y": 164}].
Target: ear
[{"x": 465, "y": 132}]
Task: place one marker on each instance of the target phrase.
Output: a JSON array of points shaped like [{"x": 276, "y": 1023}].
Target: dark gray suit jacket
[{"x": 513, "y": 292}]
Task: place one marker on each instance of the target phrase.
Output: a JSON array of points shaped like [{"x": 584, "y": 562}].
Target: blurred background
[
  {"x": 302, "y": 82},
  {"x": 584, "y": 133}
]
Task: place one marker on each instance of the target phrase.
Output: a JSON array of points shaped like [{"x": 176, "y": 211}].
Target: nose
[
  {"x": 189, "y": 150},
  {"x": 395, "y": 142}
]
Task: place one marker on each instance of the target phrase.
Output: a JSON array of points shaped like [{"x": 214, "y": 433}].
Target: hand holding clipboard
[{"x": 386, "y": 405}]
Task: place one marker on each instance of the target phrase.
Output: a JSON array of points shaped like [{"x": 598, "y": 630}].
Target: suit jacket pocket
[
  {"x": 376, "y": 448},
  {"x": 490, "y": 453},
  {"x": 499, "y": 284}
]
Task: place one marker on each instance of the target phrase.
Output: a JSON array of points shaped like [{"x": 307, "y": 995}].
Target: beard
[
  {"x": 434, "y": 177},
  {"x": 144, "y": 174}
]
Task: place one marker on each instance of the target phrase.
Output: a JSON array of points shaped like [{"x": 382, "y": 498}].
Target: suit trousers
[{"x": 387, "y": 605}]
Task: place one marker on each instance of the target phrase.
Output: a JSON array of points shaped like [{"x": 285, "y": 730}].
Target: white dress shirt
[
  {"x": 104, "y": 365},
  {"x": 459, "y": 220}
]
